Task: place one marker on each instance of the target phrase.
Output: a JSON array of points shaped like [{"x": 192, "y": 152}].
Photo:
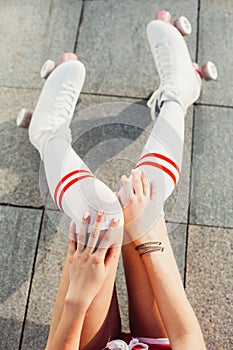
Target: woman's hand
[
  {"x": 140, "y": 208},
  {"x": 90, "y": 259}
]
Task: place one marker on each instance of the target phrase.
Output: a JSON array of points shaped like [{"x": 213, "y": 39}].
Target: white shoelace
[
  {"x": 135, "y": 341},
  {"x": 117, "y": 345},
  {"x": 64, "y": 104},
  {"x": 166, "y": 69},
  {"x": 121, "y": 345}
]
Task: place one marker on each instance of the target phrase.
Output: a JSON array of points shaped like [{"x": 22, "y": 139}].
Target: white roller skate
[
  {"x": 180, "y": 79},
  {"x": 55, "y": 107}
]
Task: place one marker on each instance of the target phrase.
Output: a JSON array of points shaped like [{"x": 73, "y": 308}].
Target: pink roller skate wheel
[
  {"x": 163, "y": 16},
  {"x": 68, "y": 56},
  {"x": 183, "y": 25},
  {"x": 23, "y": 119},
  {"x": 209, "y": 71},
  {"x": 195, "y": 66},
  {"x": 47, "y": 68}
]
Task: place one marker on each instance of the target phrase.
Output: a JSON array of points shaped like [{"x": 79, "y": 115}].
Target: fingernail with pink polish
[
  {"x": 86, "y": 215},
  {"x": 116, "y": 221},
  {"x": 100, "y": 212}
]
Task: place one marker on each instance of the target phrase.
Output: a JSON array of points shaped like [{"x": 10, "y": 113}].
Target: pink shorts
[{"x": 145, "y": 343}]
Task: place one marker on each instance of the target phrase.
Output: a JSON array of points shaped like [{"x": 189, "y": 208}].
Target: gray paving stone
[
  {"x": 209, "y": 283},
  {"x": 113, "y": 44},
  {"x": 122, "y": 297},
  {"x": 178, "y": 241},
  {"x": 20, "y": 162},
  {"x": 19, "y": 232},
  {"x": 37, "y": 31},
  {"x": 215, "y": 44},
  {"x": 212, "y": 197},
  {"x": 50, "y": 261}
]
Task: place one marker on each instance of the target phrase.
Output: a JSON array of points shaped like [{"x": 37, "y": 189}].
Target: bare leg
[
  {"x": 177, "y": 314},
  {"x": 144, "y": 316},
  {"x": 102, "y": 321},
  {"x": 156, "y": 255}
]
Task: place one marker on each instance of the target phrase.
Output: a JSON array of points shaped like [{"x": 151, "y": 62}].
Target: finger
[
  {"x": 109, "y": 237},
  {"x": 72, "y": 239},
  {"x": 118, "y": 197},
  {"x": 145, "y": 184},
  {"x": 95, "y": 232},
  {"x": 112, "y": 254},
  {"x": 137, "y": 183},
  {"x": 82, "y": 235},
  {"x": 127, "y": 187},
  {"x": 152, "y": 191}
]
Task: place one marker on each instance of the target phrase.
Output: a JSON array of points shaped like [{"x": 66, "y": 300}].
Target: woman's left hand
[{"x": 90, "y": 259}]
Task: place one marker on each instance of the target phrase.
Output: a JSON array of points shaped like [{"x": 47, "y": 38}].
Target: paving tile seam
[
  {"x": 19, "y": 88},
  {"x": 210, "y": 226},
  {"x": 167, "y": 221},
  {"x": 136, "y": 98},
  {"x": 192, "y": 148},
  {"x": 213, "y": 105},
  {"x": 31, "y": 280},
  {"x": 79, "y": 26},
  {"x": 198, "y": 29},
  {"x": 22, "y": 206},
  {"x": 189, "y": 196},
  {"x": 115, "y": 96}
]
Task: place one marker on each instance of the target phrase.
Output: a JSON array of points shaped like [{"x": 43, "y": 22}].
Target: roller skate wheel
[
  {"x": 195, "y": 66},
  {"x": 47, "y": 68},
  {"x": 23, "y": 119},
  {"x": 209, "y": 71},
  {"x": 183, "y": 25},
  {"x": 68, "y": 56},
  {"x": 163, "y": 16}
]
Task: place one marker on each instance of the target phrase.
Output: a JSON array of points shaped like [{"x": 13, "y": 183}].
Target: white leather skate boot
[
  {"x": 178, "y": 79},
  {"x": 55, "y": 107}
]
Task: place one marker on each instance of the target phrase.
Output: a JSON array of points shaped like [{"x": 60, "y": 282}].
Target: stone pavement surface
[{"x": 109, "y": 37}]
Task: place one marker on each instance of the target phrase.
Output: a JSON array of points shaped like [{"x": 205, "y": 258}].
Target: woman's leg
[
  {"x": 161, "y": 161},
  {"x": 161, "y": 165},
  {"x": 72, "y": 185},
  {"x": 75, "y": 190}
]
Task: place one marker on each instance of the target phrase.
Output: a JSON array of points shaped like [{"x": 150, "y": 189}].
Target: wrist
[
  {"x": 76, "y": 304},
  {"x": 157, "y": 232}
]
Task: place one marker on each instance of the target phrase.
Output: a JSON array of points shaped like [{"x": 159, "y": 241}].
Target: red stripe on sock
[
  {"x": 72, "y": 182},
  {"x": 159, "y": 166},
  {"x": 64, "y": 179},
  {"x": 157, "y": 155}
]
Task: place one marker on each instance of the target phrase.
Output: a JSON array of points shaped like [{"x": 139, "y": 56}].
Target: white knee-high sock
[
  {"x": 161, "y": 158},
  {"x": 74, "y": 188}
]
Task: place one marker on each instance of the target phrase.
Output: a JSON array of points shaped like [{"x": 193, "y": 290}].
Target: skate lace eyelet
[
  {"x": 165, "y": 63},
  {"x": 64, "y": 102}
]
